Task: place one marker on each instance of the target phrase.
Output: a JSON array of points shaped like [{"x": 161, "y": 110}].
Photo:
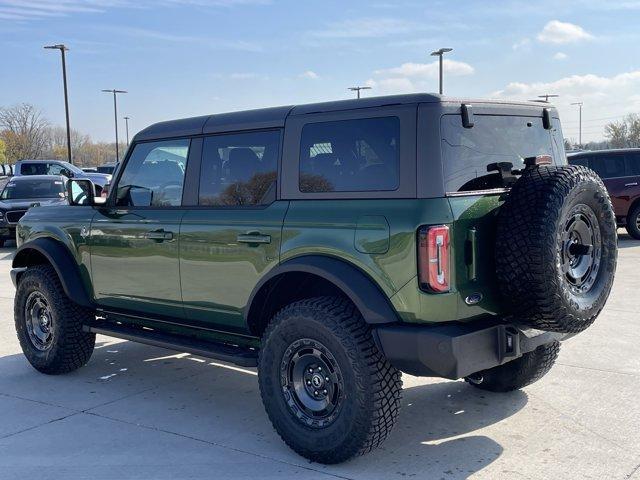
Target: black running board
[{"x": 241, "y": 356}]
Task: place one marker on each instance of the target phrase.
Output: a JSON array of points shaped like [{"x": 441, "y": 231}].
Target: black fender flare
[
  {"x": 373, "y": 304},
  {"x": 61, "y": 259}
]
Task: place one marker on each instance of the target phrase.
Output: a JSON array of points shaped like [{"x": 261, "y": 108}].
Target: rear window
[
  {"x": 466, "y": 152},
  {"x": 350, "y": 155},
  {"x": 26, "y": 189}
]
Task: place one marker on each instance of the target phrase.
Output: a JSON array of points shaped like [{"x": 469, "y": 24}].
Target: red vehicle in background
[{"x": 620, "y": 171}]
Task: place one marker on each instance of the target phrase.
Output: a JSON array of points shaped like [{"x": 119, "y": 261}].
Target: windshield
[
  {"x": 71, "y": 167},
  {"x": 33, "y": 189},
  {"x": 466, "y": 152}
]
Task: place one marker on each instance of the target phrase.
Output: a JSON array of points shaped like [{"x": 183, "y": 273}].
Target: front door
[
  {"x": 134, "y": 239},
  {"x": 233, "y": 237}
]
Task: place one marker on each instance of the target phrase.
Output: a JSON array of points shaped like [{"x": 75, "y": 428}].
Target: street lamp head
[
  {"x": 113, "y": 90},
  {"x": 355, "y": 89},
  {"x": 441, "y": 51},
  {"x": 577, "y": 103},
  {"x": 59, "y": 46}
]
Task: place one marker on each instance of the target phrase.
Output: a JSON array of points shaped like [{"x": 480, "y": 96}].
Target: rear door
[
  {"x": 232, "y": 237},
  {"x": 632, "y": 183},
  {"x": 134, "y": 239},
  {"x": 611, "y": 167}
]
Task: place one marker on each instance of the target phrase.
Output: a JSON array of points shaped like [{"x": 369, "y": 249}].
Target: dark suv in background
[{"x": 620, "y": 171}]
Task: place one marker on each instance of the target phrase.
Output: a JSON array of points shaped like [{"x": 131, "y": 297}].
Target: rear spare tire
[{"x": 556, "y": 248}]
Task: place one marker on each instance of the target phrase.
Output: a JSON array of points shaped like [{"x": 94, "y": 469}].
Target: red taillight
[{"x": 433, "y": 258}]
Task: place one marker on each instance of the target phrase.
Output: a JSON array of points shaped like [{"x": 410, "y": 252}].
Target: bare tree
[
  {"x": 625, "y": 133},
  {"x": 24, "y": 131},
  {"x": 57, "y": 143}
]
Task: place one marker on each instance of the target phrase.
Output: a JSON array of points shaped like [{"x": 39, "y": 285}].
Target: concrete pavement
[{"x": 138, "y": 412}]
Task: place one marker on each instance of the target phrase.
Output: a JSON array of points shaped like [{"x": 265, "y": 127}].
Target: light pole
[
  {"x": 357, "y": 90},
  {"x": 579, "y": 122},
  {"x": 547, "y": 96},
  {"x": 115, "y": 116},
  {"x": 126, "y": 122},
  {"x": 440, "y": 53},
  {"x": 63, "y": 49}
]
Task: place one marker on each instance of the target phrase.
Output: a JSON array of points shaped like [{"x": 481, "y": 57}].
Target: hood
[
  {"x": 26, "y": 203},
  {"x": 98, "y": 178}
]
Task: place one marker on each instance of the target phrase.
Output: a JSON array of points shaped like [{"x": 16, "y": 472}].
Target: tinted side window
[
  {"x": 633, "y": 163},
  {"x": 350, "y": 155},
  {"x": 584, "y": 161},
  {"x": 33, "y": 168},
  {"x": 608, "y": 166},
  {"x": 154, "y": 174},
  {"x": 239, "y": 169}
]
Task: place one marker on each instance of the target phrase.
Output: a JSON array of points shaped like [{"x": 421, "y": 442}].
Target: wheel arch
[
  {"x": 55, "y": 253},
  {"x": 325, "y": 276}
]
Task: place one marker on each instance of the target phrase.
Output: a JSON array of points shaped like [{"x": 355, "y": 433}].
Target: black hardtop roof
[
  {"x": 275, "y": 117},
  {"x": 588, "y": 153}
]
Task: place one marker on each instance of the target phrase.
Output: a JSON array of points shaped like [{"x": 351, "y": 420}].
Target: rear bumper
[{"x": 457, "y": 350}]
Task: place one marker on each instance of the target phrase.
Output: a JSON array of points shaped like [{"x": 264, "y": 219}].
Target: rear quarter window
[
  {"x": 350, "y": 155},
  {"x": 466, "y": 152}
]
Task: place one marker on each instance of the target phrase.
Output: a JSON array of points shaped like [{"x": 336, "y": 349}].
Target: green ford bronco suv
[{"x": 333, "y": 246}]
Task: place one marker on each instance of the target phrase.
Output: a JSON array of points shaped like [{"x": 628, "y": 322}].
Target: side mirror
[{"x": 81, "y": 192}]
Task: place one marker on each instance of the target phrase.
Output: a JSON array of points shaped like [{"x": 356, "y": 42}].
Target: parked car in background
[
  {"x": 59, "y": 167},
  {"x": 89, "y": 169},
  {"x": 22, "y": 193},
  {"x": 620, "y": 171}
]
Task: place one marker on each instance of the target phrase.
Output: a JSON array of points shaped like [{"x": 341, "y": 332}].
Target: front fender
[{"x": 58, "y": 255}]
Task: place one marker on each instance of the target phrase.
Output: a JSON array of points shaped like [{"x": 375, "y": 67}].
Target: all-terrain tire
[
  {"x": 367, "y": 408},
  {"x": 632, "y": 222},
  {"x": 68, "y": 347},
  {"x": 545, "y": 212},
  {"x": 519, "y": 373}
]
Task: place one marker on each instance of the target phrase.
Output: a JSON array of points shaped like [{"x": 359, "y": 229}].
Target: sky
[{"x": 180, "y": 58}]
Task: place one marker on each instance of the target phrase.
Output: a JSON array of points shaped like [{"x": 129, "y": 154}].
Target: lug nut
[
  {"x": 319, "y": 369},
  {"x": 326, "y": 379},
  {"x": 324, "y": 391},
  {"x": 315, "y": 393},
  {"x": 308, "y": 382},
  {"x": 310, "y": 370}
]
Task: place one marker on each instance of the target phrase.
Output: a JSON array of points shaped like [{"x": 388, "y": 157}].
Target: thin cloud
[
  {"x": 560, "y": 56},
  {"x": 428, "y": 70},
  {"x": 415, "y": 77},
  {"x": 523, "y": 44},
  {"x": 310, "y": 74},
  {"x": 559, "y": 32},
  {"x": 214, "y": 43},
  {"x": 365, "y": 28},
  {"x": 603, "y": 97},
  {"x": 39, "y": 9}
]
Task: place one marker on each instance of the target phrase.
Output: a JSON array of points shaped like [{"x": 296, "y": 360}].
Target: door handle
[
  {"x": 632, "y": 184},
  {"x": 253, "y": 238},
  {"x": 159, "y": 235}
]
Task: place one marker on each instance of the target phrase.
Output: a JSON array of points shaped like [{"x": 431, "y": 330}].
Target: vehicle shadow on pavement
[
  {"x": 626, "y": 241},
  {"x": 180, "y": 394}
]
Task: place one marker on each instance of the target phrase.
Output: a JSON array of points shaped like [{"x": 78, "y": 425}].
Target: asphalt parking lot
[{"x": 146, "y": 413}]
